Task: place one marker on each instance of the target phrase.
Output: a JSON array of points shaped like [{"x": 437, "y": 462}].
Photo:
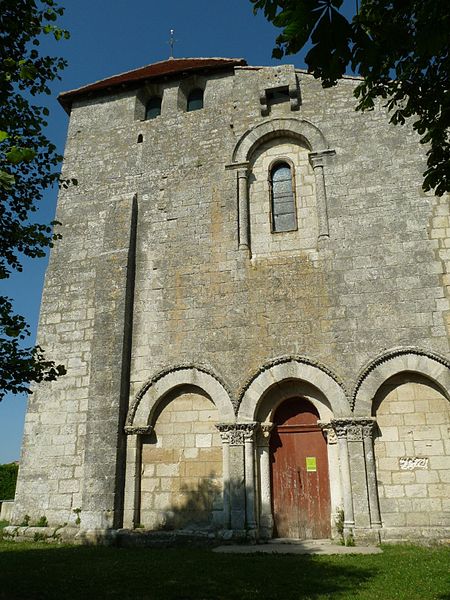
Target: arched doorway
[
  {"x": 413, "y": 417},
  {"x": 299, "y": 472}
]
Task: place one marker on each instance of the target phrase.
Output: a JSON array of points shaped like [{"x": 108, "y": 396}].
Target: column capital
[
  {"x": 236, "y": 434},
  {"x": 136, "y": 430},
  {"x": 354, "y": 429},
  {"x": 328, "y": 431},
  {"x": 319, "y": 159},
  {"x": 266, "y": 428},
  {"x": 240, "y": 166}
]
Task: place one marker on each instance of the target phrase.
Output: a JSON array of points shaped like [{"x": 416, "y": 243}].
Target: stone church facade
[{"x": 251, "y": 300}]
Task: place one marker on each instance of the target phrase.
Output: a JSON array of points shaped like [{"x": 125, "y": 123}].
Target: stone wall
[
  {"x": 181, "y": 484},
  {"x": 150, "y": 276},
  {"x": 413, "y": 468}
]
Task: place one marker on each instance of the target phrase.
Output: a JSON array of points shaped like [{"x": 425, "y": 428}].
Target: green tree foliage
[
  {"x": 28, "y": 166},
  {"x": 400, "y": 48},
  {"x": 8, "y": 479}
]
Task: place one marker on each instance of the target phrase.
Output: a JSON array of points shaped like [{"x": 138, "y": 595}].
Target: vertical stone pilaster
[
  {"x": 265, "y": 506},
  {"x": 372, "y": 488},
  {"x": 249, "y": 432},
  {"x": 104, "y": 455},
  {"x": 239, "y": 441},
  {"x": 317, "y": 160},
  {"x": 358, "y": 473},
  {"x": 333, "y": 466},
  {"x": 244, "y": 216},
  {"x": 226, "y": 475},
  {"x": 133, "y": 476},
  {"x": 344, "y": 464}
]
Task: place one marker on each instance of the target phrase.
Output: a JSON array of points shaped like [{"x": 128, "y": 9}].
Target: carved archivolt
[
  {"x": 291, "y": 369},
  {"x": 143, "y": 407},
  {"x": 392, "y": 362},
  {"x": 292, "y": 127}
]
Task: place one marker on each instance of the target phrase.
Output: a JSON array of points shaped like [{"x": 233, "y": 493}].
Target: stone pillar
[
  {"x": 133, "y": 475},
  {"x": 250, "y": 476},
  {"x": 333, "y": 466},
  {"x": 244, "y": 217},
  {"x": 358, "y": 473},
  {"x": 317, "y": 160},
  {"x": 340, "y": 427},
  {"x": 372, "y": 488},
  {"x": 104, "y": 451},
  {"x": 265, "y": 500},
  {"x": 241, "y": 475},
  {"x": 226, "y": 474}
]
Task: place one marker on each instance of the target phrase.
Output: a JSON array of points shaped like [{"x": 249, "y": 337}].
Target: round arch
[
  {"x": 291, "y": 370},
  {"x": 300, "y": 128},
  {"x": 431, "y": 365},
  {"x": 143, "y": 408}
]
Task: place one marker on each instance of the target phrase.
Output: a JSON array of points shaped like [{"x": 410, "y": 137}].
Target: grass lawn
[{"x": 42, "y": 572}]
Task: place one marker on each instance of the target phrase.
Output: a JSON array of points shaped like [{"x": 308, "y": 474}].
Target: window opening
[
  {"x": 276, "y": 95},
  {"x": 195, "y": 100},
  {"x": 153, "y": 108},
  {"x": 140, "y": 138},
  {"x": 284, "y": 216}
]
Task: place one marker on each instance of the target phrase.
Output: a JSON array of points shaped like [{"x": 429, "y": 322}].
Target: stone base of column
[{"x": 364, "y": 536}]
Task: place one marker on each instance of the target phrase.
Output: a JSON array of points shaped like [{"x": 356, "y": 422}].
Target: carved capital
[
  {"x": 353, "y": 429},
  {"x": 328, "y": 432},
  {"x": 340, "y": 428},
  {"x": 135, "y": 430},
  {"x": 266, "y": 428},
  {"x": 236, "y": 434},
  {"x": 354, "y": 432},
  {"x": 319, "y": 159},
  {"x": 368, "y": 428}
]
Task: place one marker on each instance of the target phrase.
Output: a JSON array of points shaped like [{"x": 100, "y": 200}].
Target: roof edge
[{"x": 166, "y": 68}]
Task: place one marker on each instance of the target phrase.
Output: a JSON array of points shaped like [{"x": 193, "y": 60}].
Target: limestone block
[
  {"x": 203, "y": 440},
  {"x": 394, "y": 491}
]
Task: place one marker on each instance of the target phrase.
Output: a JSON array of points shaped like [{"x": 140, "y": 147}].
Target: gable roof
[{"x": 163, "y": 69}]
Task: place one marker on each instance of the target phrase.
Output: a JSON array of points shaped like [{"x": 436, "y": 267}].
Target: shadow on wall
[{"x": 196, "y": 506}]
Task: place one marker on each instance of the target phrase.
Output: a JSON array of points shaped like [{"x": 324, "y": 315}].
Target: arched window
[
  {"x": 284, "y": 217},
  {"x": 195, "y": 100},
  {"x": 153, "y": 108}
]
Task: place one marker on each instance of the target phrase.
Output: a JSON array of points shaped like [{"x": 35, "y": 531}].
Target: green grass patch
[{"x": 38, "y": 571}]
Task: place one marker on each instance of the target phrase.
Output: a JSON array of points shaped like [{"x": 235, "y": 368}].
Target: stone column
[
  {"x": 358, "y": 473},
  {"x": 244, "y": 217},
  {"x": 241, "y": 473},
  {"x": 226, "y": 473},
  {"x": 104, "y": 451},
  {"x": 133, "y": 475},
  {"x": 333, "y": 466},
  {"x": 372, "y": 488},
  {"x": 317, "y": 160},
  {"x": 340, "y": 428},
  {"x": 249, "y": 431},
  {"x": 265, "y": 500}
]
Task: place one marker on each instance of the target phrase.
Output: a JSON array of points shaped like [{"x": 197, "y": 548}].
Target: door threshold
[{"x": 325, "y": 542}]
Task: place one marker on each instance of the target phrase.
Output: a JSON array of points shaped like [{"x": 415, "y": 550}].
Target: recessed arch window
[
  {"x": 195, "y": 100},
  {"x": 284, "y": 214},
  {"x": 153, "y": 108}
]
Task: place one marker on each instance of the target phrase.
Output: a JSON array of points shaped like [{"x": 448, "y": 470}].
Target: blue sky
[{"x": 108, "y": 38}]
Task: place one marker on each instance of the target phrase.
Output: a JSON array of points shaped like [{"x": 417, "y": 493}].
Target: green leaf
[
  {"x": 6, "y": 180},
  {"x": 16, "y": 155},
  {"x": 3, "y": 136}
]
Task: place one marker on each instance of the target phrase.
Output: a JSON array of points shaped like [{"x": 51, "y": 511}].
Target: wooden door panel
[{"x": 301, "y": 497}]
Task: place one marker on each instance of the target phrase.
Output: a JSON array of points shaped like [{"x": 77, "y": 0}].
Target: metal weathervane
[{"x": 171, "y": 42}]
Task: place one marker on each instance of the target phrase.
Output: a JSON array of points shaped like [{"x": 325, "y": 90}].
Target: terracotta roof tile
[{"x": 165, "y": 68}]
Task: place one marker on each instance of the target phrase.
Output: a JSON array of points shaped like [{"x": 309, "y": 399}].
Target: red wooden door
[{"x": 300, "y": 482}]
